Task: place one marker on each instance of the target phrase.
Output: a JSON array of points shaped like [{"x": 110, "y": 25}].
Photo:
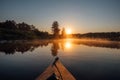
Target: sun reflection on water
[{"x": 68, "y": 45}]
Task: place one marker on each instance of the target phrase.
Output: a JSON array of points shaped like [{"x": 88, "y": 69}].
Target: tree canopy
[
  {"x": 11, "y": 30},
  {"x": 55, "y": 29}
]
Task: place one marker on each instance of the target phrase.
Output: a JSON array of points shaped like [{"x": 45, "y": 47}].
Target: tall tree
[{"x": 55, "y": 29}]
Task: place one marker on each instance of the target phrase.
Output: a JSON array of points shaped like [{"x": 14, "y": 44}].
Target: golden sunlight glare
[
  {"x": 68, "y": 31},
  {"x": 67, "y": 45}
]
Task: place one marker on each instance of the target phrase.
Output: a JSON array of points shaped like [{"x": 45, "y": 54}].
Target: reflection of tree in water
[
  {"x": 20, "y": 46},
  {"x": 55, "y": 47},
  {"x": 24, "y": 46}
]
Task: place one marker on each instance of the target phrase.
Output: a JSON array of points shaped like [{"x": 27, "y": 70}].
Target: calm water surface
[{"x": 85, "y": 59}]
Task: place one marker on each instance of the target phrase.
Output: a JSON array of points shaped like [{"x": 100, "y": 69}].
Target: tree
[
  {"x": 9, "y": 24},
  {"x": 55, "y": 29},
  {"x": 24, "y": 26}
]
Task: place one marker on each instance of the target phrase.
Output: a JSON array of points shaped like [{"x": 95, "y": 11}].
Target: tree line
[
  {"x": 113, "y": 36},
  {"x": 11, "y": 30}
]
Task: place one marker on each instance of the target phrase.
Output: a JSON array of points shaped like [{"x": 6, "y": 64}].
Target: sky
[{"x": 82, "y": 16}]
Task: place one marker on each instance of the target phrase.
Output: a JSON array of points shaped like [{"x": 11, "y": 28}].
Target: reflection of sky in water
[{"x": 85, "y": 62}]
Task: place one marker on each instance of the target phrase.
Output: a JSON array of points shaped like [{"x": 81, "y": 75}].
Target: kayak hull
[{"x": 59, "y": 70}]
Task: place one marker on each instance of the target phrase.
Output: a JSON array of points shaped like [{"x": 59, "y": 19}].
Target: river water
[{"x": 85, "y": 59}]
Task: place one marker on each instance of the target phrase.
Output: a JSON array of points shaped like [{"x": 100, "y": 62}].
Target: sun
[{"x": 68, "y": 31}]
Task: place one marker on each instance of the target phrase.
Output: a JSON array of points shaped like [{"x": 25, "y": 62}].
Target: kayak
[{"x": 56, "y": 71}]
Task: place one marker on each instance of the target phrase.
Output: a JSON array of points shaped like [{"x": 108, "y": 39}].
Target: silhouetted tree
[
  {"x": 10, "y": 30},
  {"x": 24, "y": 26},
  {"x": 113, "y": 36},
  {"x": 55, "y": 29},
  {"x": 9, "y": 24}
]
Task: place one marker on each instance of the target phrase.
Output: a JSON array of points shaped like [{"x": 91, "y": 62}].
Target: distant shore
[{"x": 10, "y": 30}]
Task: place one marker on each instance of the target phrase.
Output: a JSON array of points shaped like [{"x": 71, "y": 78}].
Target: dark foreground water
[{"x": 85, "y": 59}]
